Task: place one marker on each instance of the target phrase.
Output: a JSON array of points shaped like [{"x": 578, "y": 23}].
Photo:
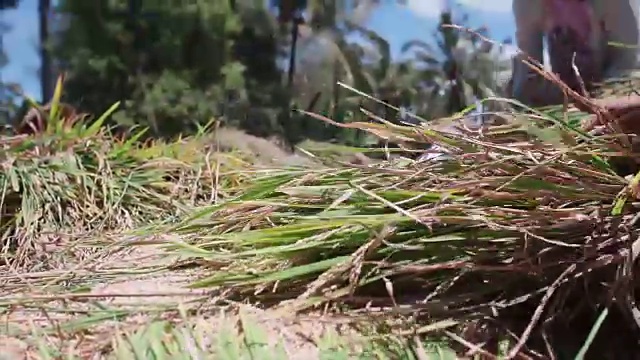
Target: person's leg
[
  {"x": 621, "y": 28},
  {"x": 529, "y": 35}
]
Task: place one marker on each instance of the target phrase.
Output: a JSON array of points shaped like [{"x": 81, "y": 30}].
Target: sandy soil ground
[{"x": 297, "y": 334}]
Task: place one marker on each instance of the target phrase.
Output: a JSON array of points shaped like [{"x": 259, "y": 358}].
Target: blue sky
[{"x": 396, "y": 23}]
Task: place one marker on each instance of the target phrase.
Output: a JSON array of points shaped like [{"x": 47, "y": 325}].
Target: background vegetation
[{"x": 175, "y": 68}]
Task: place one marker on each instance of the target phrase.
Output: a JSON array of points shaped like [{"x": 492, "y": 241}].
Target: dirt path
[{"x": 138, "y": 295}]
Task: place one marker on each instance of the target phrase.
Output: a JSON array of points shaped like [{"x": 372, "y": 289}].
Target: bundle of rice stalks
[
  {"x": 524, "y": 229},
  {"x": 68, "y": 177}
]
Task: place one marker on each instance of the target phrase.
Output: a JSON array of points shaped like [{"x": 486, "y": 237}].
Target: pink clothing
[{"x": 595, "y": 22}]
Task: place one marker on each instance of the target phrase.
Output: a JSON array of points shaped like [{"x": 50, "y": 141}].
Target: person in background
[{"x": 584, "y": 27}]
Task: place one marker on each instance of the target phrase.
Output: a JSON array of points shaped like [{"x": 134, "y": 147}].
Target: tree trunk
[{"x": 44, "y": 8}]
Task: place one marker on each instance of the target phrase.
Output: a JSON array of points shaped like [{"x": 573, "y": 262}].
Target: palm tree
[
  {"x": 324, "y": 57},
  {"x": 436, "y": 81},
  {"x": 323, "y": 45},
  {"x": 461, "y": 69}
]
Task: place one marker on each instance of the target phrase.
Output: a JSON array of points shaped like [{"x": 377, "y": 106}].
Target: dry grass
[
  {"x": 518, "y": 244},
  {"x": 134, "y": 302},
  {"x": 82, "y": 276}
]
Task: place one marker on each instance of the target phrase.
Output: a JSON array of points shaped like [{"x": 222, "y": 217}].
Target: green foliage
[
  {"x": 185, "y": 66},
  {"x": 82, "y": 176}
]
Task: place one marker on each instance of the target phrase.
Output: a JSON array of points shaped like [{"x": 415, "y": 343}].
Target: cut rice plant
[
  {"x": 81, "y": 179},
  {"x": 525, "y": 229},
  {"x": 519, "y": 242}
]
